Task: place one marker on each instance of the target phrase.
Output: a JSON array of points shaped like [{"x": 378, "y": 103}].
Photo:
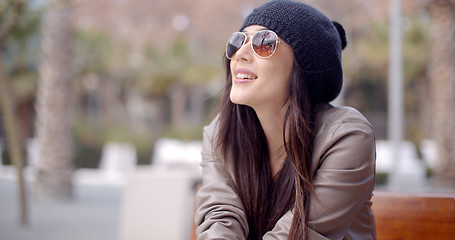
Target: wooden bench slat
[{"x": 412, "y": 216}]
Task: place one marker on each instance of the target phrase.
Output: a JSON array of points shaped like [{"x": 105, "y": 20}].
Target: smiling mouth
[{"x": 245, "y": 76}]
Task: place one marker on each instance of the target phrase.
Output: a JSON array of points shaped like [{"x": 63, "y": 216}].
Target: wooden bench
[{"x": 414, "y": 216}]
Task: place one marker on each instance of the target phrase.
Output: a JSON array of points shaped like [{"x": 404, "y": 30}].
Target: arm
[
  {"x": 220, "y": 213},
  {"x": 343, "y": 182}
]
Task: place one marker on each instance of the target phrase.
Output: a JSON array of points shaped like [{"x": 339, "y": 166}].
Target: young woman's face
[{"x": 260, "y": 82}]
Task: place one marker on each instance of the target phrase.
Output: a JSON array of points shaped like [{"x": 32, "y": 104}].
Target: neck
[{"x": 272, "y": 124}]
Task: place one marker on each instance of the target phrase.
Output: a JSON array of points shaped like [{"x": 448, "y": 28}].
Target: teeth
[{"x": 245, "y": 76}]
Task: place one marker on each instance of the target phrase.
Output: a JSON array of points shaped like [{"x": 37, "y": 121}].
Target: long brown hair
[{"x": 243, "y": 143}]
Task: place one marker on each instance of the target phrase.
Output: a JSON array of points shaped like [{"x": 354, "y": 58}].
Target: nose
[{"x": 245, "y": 52}]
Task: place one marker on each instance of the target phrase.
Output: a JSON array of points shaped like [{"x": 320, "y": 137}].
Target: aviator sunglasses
[{"x": 263, "y": 43}]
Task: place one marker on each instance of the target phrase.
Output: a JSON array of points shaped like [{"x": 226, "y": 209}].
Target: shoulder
[
  {"x": 342, "y": 132},
  {"x": 211, "y": 130},
  {"x": 209, "y": 139},
  {"x": 327, "y": 115},
  {"x": 330, "y": 120}
]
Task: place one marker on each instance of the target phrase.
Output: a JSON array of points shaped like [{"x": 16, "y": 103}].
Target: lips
[{"x": 244, "y": 75}]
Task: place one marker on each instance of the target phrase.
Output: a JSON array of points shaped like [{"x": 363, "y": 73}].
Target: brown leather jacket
[{"x": 343, "y": 168}]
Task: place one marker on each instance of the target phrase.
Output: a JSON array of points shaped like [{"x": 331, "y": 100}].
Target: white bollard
[
  {"x": 174, "y": 153},
  {"x": 117, "y": 159},
  {"x": 430, "y": 152}
]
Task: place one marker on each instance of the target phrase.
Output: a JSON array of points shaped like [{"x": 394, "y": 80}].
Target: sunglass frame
[{"x": 277, "y": 41}]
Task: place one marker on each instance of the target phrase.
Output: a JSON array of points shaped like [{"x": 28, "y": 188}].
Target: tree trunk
[
  {"x": 53, "y": 123},
  {"x": 13, "y": 141},
  {"x": 442, "y": 75},
  {"x": 7, "y": 108}
]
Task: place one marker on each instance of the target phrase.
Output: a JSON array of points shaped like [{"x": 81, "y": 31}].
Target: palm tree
[
  {"x": 55, "y": 166},
  {"x": 442, "y": 75}
]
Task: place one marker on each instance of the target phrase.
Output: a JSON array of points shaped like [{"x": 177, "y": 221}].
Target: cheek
[
  {"x": 231, "y": 67},
  {"x": 278, "y": 76}
]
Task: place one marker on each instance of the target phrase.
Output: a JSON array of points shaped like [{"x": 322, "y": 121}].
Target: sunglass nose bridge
[{"x": 248, "y": 39}]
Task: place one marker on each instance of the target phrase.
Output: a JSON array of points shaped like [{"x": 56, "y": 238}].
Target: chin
[{"x": 238, "y": 100}]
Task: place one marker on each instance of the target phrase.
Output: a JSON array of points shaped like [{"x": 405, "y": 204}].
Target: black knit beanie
[{"x": 317, "y": 43}]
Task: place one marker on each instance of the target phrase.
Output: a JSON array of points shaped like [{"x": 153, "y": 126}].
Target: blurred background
[{"x": 103, "y": 104}]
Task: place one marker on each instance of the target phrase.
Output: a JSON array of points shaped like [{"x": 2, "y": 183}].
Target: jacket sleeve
[
  {"x": 343, "y": 182},
  {"x": 220, "y": 213}
]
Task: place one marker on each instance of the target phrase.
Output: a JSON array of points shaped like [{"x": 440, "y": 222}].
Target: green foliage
[
  {"x": 180, "y": 48},
  {"x": 381, "y": 179},
  {"x": 373, "y": 46},
  {"x": 86, "y": 155},
  {"x": 90, "y": 137},
  {"x": 415, "y": 49},
  {"x": 367, "y": 91},
  {"x": 94, "y": 51},
  {"x": 20, "y": 53},
  {"x": 150, "y": 52},
  {"x": 176, "y": 65},
  {"x": 187, "y": 133},
  {"x": 366, "y": 70}
]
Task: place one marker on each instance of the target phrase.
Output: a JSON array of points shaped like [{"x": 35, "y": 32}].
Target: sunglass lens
[
  {"x": 234, "y": 44},
  {"x": 264, "y": 43}
]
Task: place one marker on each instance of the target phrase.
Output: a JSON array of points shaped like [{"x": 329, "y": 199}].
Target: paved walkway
[{"x": 92, "y": 215}]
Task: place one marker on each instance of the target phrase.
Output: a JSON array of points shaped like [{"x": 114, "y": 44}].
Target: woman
[{"x": 279, "y": 162}]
